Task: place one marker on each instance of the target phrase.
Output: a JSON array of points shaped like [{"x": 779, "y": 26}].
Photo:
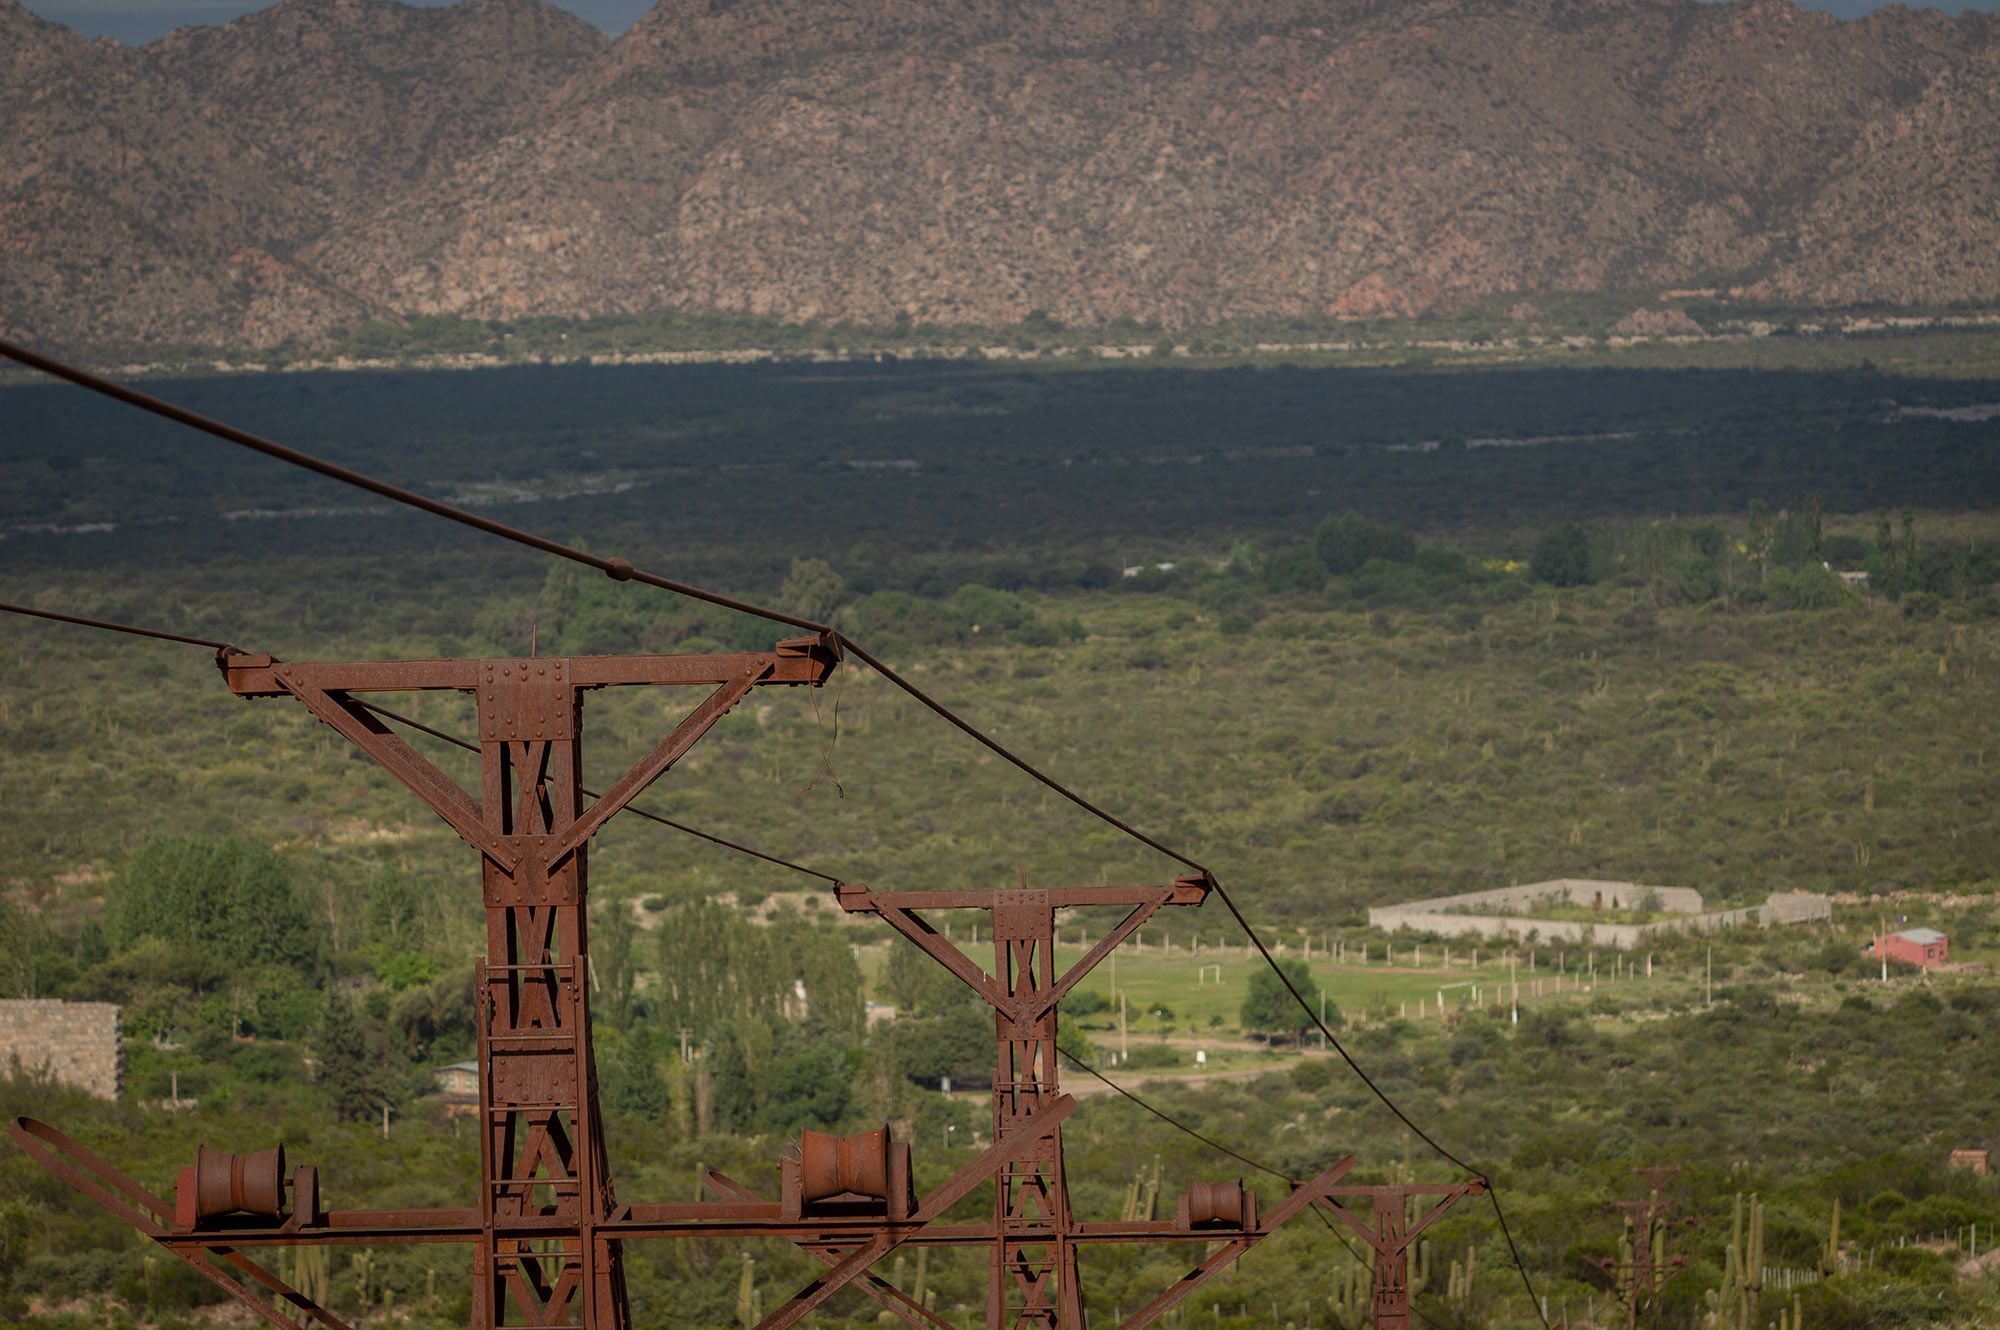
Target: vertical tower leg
[
  {"x": 1033, "y": 1284},
  {"x": 1391, "y": 1292},
  {"x": 544, "y": 1183}
]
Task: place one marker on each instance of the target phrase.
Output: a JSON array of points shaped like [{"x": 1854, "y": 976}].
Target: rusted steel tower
[
  {"x": 545, "y": 1187},
  {"x": 546, "y": 1227},
  {"x": 1646, "y": 1261},
  {"x": 1033, "y": 1277},
  {"x": 1389, "y": 1231}
]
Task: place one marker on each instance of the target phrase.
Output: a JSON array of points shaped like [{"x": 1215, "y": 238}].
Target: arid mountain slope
[
  {"x": 163, "y": 192},
  {"x": 972, "y": 160}
]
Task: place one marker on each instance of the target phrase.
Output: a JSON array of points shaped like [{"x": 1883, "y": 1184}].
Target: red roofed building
[{"x": 1913, "y": 946}]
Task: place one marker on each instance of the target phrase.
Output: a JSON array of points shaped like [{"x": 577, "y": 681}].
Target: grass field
[{"x": 1205, "y": 990}]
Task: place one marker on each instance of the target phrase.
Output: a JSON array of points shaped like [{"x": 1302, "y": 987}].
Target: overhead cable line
[
  {"x": 1213, "y": 1144},
  {"x": 713, "y": 839},
  {"x": 616, "y": 569},
  {"x": 108, "y": 626},
  {"x": 619, "y": 570},
  {"x": 1175, "y": 1122},
  {"x": 415, "y": 724},
  {"x": 622, "y": 570}
]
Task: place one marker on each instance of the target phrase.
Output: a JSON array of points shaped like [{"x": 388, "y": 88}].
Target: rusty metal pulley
[
  {"x": 831, "y": 1165},
  {"x": 226, "y": 1183},
  {"x": 1215, "y": 1205}
]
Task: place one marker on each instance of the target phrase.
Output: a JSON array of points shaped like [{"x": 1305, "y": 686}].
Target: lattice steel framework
[
  {"x": 1390, "y": 1231},
  {"x": 547, "y": 1227}
]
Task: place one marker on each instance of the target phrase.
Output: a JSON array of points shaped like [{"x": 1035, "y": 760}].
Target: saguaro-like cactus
[
  {"x": 746, "y": 1294},
  {"x": 362, "y": 1266},
  {"x": 1459, "y": 1289},
  {"x": 1829, "y": 1260},
  {"x": 1351, "y": 1299},
  {"x": 1733, "y": 1306},
  {"x": 311, "y": 1272}
]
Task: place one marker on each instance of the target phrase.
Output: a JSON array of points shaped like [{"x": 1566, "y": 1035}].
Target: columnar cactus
[
  {"x": 1734, "y": 1305},
  {"x": 746, "y": 1294},
  {"x": 1352, "y": 1297}
]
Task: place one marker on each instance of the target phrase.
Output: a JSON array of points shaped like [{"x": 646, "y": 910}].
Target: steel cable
[
  {"x": 1214, "y": 1144},
  {"x": 713, "y": 839},
  {"x": 622, "y": 570},
  {"x": 108, "y": 626},
  {"x": 415, "y": 724}
]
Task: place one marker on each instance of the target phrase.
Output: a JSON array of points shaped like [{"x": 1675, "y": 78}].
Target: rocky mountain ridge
[{"x": 968, "y": 161}]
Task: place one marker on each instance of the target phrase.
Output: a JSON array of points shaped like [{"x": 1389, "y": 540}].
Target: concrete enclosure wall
[
  {"x": 75, "y": 1043},
  {"x": 1440, "y": 913}
]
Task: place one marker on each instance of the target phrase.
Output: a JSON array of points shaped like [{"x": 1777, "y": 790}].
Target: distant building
[
  {"x": 1913, "y": 946},
  {"x": 1978, "y": 1162},
  {"x": 458, "y": 1089},
  {"x": 78, "y": 1044}
]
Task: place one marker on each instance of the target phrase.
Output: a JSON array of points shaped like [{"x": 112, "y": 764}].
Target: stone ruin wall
[{"x": 74, "y": 1043}]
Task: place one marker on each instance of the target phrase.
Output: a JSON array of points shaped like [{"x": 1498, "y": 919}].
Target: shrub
[
  {"x": 1296, "y": 568},
  {"x": 1347, "y": 542},
  {"x": 1808, "y": 588},
  {"x": 1562, "y": 557}
]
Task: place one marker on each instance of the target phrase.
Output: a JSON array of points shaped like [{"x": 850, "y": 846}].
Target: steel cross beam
[
  {"x": 544, "y": 1253},
  {"x": 1032, "y": 1279},
  {"x": 1005, "y": 1153},
  {"x": 546, "y": 1231},
  {"x": 900, "y": 1304},
  {"x": 1319, "y": 1189},
  {"x": 1390, "y": 1233}
]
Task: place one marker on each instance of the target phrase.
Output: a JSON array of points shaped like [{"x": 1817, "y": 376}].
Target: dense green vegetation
[
  {"x": 1239, "y": 606},
  {"x": 923, "y": 476}
]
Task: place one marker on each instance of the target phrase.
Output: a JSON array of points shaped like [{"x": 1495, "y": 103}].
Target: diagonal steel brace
[{"x": 1026, "y": 1138}]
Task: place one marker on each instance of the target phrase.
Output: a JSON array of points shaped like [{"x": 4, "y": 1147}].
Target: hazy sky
[{"x": 143, "y": 20}]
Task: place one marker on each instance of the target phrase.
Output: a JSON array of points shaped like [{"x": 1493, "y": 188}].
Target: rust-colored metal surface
[
  {"x": 546, "y": 1228},
  {"x": 1391, "y": 1229},
  {"x": 1648, "y": 1232},
  {"x": 1033, "y": 1276}
]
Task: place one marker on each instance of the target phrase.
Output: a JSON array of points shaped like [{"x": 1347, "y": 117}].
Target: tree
[
  {"x": 635, "y": 1087},
  {"x": 808, "y": 1086},
  {"x": 956, "y": 1041},
  {"x": 229, "y": 898},
  {"x": 20, "y": 943},
  {"x": 809, "y": 956},
  {"x": 913, "y": 982},
  {"x": 1562, "y": 557},
  {"x": 1757, "y": 538},
  {"x": 391, "y": 916},
  {"x": 812, "y": 591},
  {"x": 1294, "y": 568},
  {"x": 345, "y": 1067},
  {"x": 611, "y": 955},
  {"x": 1269, "y": 1008},
  {"x": 742, "y": 1060},
  {"x": 1346, "y": 542},
  {"x": 715, "y": 967}
]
